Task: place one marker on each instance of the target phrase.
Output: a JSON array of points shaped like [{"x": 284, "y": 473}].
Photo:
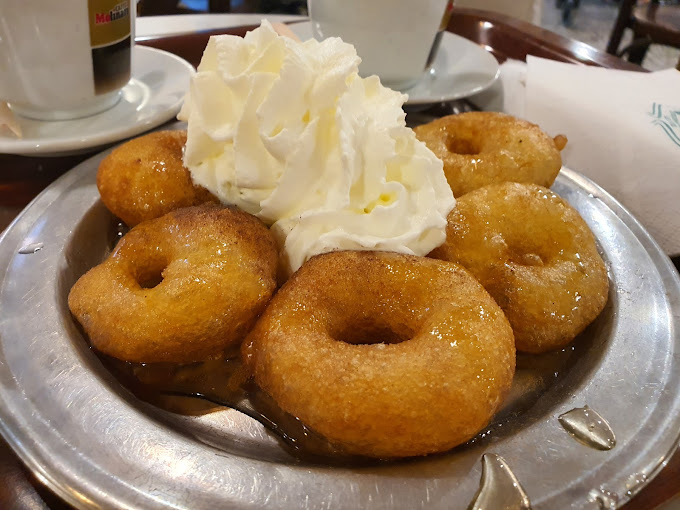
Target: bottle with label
[{"x": 111, "y": 41}]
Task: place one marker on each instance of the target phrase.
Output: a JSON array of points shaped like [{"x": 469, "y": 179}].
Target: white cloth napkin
[{"x": 623, "y": 129}]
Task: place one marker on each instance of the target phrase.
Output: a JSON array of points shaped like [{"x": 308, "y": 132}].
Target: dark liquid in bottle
[{"x": 111, "y": 66}]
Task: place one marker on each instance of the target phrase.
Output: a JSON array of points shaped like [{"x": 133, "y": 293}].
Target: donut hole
[
  {"x": 527, "y": 259},
  {"x": 151, "y": 280},
  {"x": 369, "y": 333},
  {"x": 526, "y": 250},
  {"x": 150, "y": 276},
  {"x": 459, "y": 145}
]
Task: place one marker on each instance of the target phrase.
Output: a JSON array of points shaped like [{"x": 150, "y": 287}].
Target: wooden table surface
[{"x": 22, "y": 178}]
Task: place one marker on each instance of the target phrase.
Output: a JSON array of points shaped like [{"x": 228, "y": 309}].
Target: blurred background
[
  {"x": 589, "y": 21},
  {"x": 592, "y": 22}
]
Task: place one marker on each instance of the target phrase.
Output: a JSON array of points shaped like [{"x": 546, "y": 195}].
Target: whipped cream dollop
[{"x": 289, "y": 132}]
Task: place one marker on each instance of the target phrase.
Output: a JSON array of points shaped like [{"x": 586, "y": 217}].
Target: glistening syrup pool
[{"x": 200, "y": 388}]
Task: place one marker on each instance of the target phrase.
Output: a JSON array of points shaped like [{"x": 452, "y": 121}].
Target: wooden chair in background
[{"x": 652, "y": 22}]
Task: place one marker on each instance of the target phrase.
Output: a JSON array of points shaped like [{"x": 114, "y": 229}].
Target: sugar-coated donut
[
  {"x": 480, "y": 148},
  {"x": 535, "y": 255},
  {"x": 385, "y": 355},
  {"x": 181, "y": 288},
  {"x": 145, "y": 178}
]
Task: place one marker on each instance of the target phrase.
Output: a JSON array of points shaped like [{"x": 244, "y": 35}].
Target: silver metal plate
[{"x": 96, "y": 445}]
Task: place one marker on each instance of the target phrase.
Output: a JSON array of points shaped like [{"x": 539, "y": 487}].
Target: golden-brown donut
[
  {"x": 180, "y": 288},
  {"x": 386, "y": 355},
  {"x": 536, "y": 257},
  {"x": 145, "y": 178},
  {"x": 480, "y": 148}
]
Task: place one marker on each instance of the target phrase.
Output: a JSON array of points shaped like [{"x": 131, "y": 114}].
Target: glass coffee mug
[
  {"x": 64, "y": 59},
  {"x": 396, "y": 39}
]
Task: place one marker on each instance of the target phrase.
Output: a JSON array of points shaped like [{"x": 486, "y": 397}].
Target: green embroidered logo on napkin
[{"x": 668, "y": 119}]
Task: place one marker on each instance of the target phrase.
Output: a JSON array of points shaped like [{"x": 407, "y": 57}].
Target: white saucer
[
  {"x": 153, "y": 96},
  {"x": 460, "y": 69}
]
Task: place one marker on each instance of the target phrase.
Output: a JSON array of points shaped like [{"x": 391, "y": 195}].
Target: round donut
[
  {"x": 536, "y": 257},
  {"x": 145, "y": 178},
  {"x": 181, "y": 288},
  {"x": 480, "y": 148},
  {"x": 385, "y": 355}
]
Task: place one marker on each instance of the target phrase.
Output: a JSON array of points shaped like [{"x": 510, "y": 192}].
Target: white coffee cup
[
  {"x": 393, "y": 37},
  {"x": 64, "y": 59}
]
